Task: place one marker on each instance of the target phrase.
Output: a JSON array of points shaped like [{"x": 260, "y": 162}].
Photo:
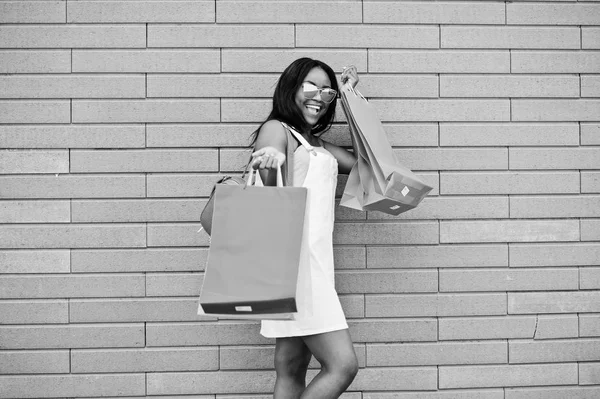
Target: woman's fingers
[{"x": 265, "y": 159}]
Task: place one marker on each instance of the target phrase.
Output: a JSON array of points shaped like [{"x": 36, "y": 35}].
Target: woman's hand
[
  {"x": 267, "y": 158},
  {"x": 350, "y": 75}
]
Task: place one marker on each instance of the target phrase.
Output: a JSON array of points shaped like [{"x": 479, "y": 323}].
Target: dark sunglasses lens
[{"x": 328, "y": 95}]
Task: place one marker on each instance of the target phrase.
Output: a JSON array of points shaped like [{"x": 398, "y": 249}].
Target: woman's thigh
[
  {"x": 291, "y": 355},
  {"x": 334, "y": 350}
]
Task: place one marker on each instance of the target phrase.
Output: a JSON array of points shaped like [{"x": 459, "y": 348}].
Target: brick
[
  {"x": 433, "y": 354},
  {"x": 73, "y": 186},
  {"x": 509, "y": 231},
  {"x": 276, "y": 60},
  {"x": 72, "y": 336},
  {"x": 465, "y": 183},
  {"x": 555, "y": 110},
  {"x": 35, "y": 61},
  {"x": 210, "y": 382},
  {"x": 72, "y": 286},
  {"x": 508, "y": 134},
  {"x": 554, "y": 158},
  {"x": 590, "y": 38},
  {"x": 453, "y": 394},
  {"x": 438, "y": 256},
  {"x": 330, "y": 12},
  {"x": 571, "y": 254},
  {"x": 73, "y": 86},
  {"x": 590, "y": 230},
  {"x": 72, "y": 236},
  {"x": 148, "y": 60},
  {"x": 554, "y": 207},
  {"x": 589, "y": 278},
  {"x": 34, "y": 362},
  {"x": 419, "y": 305},
  {"x": 199, "y": 135},
  {"x": 41, "y": 111},
  {"x": 73, "y": 36},
  {"x": 168, "y": 210},
  {"x": 453, "y": 158},
  {"x": 164, "y": 35},
  {"x": 138, "y": 260},
  {"x": 383, "y": 12},
  {"x": 144, "y": 360},
  {"x": 509, "y": 86},
  {"x": 376, "y": 282},
  {"x": 553, "y": 302},
  {"x": 439, "y": 61},
  {"x": 34, "y": 161},
  {"x": 453, "y": 208},
  {"x": 386, "y": 233},
  {"x": 589, "y": 325},
  {"x": 73, "y": 385},
  {"x": 554, "y": 61},
  {"x": 244, "y": 110},
  {"x": 590, "y": 182},
  {"x": 12, "y": 12},
  {"x": 442, "y": 110},
  {"x": 34, "y": 211},
  {"x": 590, "y": 86},
  {"x": 72, "y": 136},
  {"x": 475, "y": 328},
  {"x": 576, "y": 350},
  {"x": 181, "y": 185},
  {"x": 33, "y": 312},
  {"x": 393, "y": 379},
  {"x": 553, "y": 14},
  {"x": 553, "y": 393},
  {"x": 406, "y": 86},
  {"x": 148, "y": 160},
  {"x": 141, "y": 11},
  {"x": 390, "y": 330},
  {"x": 556, "y": 326},
  {"x": 507, "y": 375},
  {"x": 43, "y": 261},
  {"x": 509, "y": 280},
  {"x": 133, "y": 310},
  {"x": 211, "y": 85},
  {"x": 346, "y": 257},
  {"x": 204, "y": 333},
  {"x": 589, "y": 373},
  {"x": 510, "y": 37},
  {"x": 261, "y": 357},
  {"x": 177, "y": 235},
  {"x": 115, "y": 111},
  {"x": 174, "y": 284},
  {"x": 590, "y": 134},
  {"x": 368, "y": 36}
]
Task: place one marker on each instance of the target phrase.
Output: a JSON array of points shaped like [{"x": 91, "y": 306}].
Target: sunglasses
[{"x": 310, "y": 90}]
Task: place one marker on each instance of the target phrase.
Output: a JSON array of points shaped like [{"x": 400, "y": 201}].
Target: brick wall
[{"x": 116, "y": 117}]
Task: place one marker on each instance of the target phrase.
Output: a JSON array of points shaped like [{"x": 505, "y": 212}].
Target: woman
[{"x": 304, "y": 106}]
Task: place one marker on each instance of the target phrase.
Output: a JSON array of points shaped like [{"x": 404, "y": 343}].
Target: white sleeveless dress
[{"x": 319, "y": 308}]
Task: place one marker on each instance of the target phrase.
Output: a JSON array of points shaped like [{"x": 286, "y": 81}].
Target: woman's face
[{"x": 313, "y": 108}]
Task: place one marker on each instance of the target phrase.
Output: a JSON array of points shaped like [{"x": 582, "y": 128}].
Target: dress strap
[{"x": 300, "y": 138}]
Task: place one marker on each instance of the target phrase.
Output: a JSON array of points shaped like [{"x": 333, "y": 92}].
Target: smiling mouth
[{"x": 314, "y": 108}]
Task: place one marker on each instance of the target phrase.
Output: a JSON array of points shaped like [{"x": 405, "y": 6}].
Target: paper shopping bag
[
  {"x": 254, "y": 254},
  {"x": 388, "y": 186}
]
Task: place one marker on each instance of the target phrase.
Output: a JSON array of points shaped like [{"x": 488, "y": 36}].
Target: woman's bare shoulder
[{"x": 272, "y": 133}]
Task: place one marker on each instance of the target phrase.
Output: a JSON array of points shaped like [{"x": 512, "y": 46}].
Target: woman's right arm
[{"x": 270, "y": 150}]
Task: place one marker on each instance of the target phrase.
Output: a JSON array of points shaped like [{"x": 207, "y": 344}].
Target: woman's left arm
[{"x": 345, "y": 158}]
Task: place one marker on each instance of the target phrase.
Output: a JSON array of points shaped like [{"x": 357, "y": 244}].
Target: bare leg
[
  {"x": 291, "y": 362},
  {"x": 339, "y": 365}
]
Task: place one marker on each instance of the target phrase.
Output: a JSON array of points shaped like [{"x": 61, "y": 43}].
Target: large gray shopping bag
[
  {"x": 254, "y": 254},
  {"x": 387, "y": 185}
]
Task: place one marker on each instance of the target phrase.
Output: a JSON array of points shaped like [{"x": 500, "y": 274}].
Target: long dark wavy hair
[{"x": 284, "y": 104}]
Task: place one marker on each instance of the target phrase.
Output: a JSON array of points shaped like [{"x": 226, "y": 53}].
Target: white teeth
[{"x": 314, "y": 108}]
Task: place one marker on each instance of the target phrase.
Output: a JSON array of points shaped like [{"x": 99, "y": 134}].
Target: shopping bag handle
[
  {"x": 354, "y": 91},
  {"x": 254, "y": 173}
]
